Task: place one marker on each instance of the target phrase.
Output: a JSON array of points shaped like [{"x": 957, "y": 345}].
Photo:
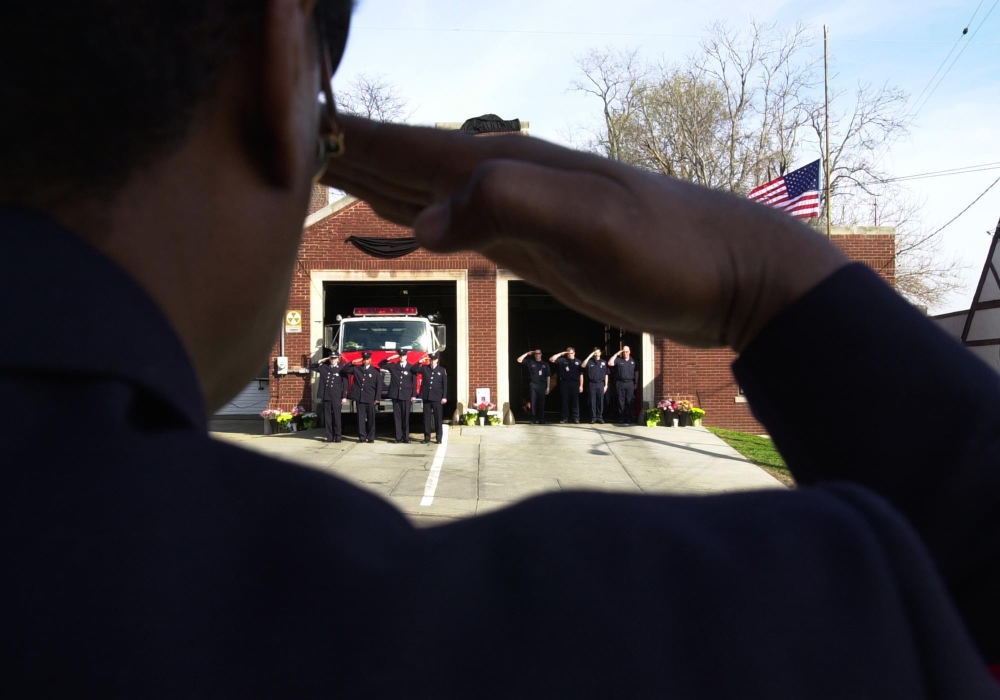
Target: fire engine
[{"x": 386, "y": 331}]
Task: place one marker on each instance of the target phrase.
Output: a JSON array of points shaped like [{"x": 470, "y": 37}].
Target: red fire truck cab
[{"x": 386, "y": 331}]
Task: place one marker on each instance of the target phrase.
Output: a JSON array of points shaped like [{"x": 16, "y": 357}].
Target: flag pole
[{"x": 826, "y": 95}]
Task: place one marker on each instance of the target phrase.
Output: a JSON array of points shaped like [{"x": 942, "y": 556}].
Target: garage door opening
[
  {"x": 438, "y": 298},
  {"x": 536, "y": 319}
]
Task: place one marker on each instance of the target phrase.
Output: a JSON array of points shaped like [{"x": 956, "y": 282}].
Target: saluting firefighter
[
  {"x": 597, "y": 376},
  {"x": 538, "y": 383},
  {"x": 402, "y": 391},
  {"x": 365, "y": 392},
  {"x": 332, "y": 391},
  {"x": 625, "y": 375},
  {"x": 434, "y": 393},
  {"x": 570, "y": 373}
]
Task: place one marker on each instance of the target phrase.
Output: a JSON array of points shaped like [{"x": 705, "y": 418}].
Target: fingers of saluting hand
[{"x": 415, "y": 166}]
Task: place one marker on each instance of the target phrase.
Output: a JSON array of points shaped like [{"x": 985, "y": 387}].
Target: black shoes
[{"x": 425, "y": 441}]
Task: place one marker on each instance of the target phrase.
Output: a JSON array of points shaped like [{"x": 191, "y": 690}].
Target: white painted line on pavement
[{"x": 432, "y": 479}]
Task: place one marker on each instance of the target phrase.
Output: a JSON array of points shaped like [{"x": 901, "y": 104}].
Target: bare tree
[
  {"x": 924, "y": 273},
  {"x": 743, "y": 111},
  {"x": 859, "y": 137},
  {"x": 374, "y": 98},
  {"x": 729, "y": 117},
  {"x": 616, "y": 79}
]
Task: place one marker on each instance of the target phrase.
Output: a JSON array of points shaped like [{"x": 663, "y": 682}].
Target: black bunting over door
[{"x": 384, "y": 247}]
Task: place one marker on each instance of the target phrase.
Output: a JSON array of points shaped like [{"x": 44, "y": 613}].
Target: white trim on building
[{"x": 458, "y": 342}]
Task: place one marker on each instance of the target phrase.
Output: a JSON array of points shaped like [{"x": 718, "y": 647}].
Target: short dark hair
[
  {"x": 93, "y": 90},
  {"x": 570, "y": 348}
]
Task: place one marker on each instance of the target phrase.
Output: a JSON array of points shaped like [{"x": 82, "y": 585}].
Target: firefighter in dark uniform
[
  {"x": 332, "y": 391},
  {"x": 538, "y": 378},
  {"x": 365, "y": 391},
  {"x": 402, "y": 391},
  {"x": 597, "y": 376},
  {"x": 626, "y": 372},
  {"x": 434, "y": 392},
  {"x": 570, "y": 373}
]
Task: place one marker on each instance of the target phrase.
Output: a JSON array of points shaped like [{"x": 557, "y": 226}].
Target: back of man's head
[{"x": 94, "y": 90}]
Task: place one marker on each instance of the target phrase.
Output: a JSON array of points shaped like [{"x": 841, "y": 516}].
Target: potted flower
[
  {"x": 495, "y": 419},
  {"x": 270, "y": 421},
  {"x": 684, "y": 413},
  {"x": 284, "y": 422},
  {"x": 668, "y": 412},
  {"x": 470, "y": 417},
  {"x": 297, "y": 421},
  {"x": 310, "y": 420},
  {"x": 653, "y": 416},
  {"x": 696, "y": 415},
  {"x": 483, "y": 408}
]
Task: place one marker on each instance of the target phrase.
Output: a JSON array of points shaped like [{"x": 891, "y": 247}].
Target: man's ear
[{"x": 288, "y": 86}]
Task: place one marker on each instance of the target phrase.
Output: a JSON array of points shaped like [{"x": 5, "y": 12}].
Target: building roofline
[{"x": 329, "y": 210}]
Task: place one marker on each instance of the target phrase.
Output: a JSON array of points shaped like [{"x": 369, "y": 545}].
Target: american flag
[{"x": 796, "y": 193}]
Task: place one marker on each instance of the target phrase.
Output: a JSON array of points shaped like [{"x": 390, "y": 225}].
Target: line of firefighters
[
  {"x": 570, "y": 372},
  {"x": 363, "y": 384}
]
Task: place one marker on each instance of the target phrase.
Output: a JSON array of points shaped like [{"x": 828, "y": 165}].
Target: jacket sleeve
[{"x": 855, "y": 384}]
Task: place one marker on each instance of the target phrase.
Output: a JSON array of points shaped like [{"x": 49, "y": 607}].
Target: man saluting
[
  {"x": 332, "y": 392},
  {"x": 402, "y": 391},
  {"x": 434, "y": 392},
  {"x": 366, "y": 390}
]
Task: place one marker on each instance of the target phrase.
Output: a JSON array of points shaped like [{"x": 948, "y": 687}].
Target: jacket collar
[{"x": 81, "y": 314}]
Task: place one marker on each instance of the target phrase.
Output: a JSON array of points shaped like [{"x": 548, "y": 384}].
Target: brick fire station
[{"x": 350, "y": 258}]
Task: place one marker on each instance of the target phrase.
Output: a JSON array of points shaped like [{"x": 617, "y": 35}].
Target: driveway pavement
[{"x": 477, "y": 469}]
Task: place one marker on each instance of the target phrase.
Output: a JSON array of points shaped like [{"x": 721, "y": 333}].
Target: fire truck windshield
[{"x": 385, "y": 334}]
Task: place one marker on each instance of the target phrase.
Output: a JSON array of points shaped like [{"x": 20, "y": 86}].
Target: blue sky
[{"x": 453, "y": 60}]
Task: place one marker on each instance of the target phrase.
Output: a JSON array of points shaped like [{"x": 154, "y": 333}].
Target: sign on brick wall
[{"x": 293, "y": 321}]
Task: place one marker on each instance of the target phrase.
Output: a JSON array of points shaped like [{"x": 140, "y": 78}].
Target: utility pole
[{"x": 826, "y": 93}]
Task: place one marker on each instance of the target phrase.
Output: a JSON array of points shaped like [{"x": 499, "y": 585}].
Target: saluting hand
[{"x": 713, "y": 268}]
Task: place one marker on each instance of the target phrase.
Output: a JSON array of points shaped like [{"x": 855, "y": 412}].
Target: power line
[
  {"x": 955, "y": 218},
  {"x": 958, "y": 56},
  {"x": 941, "y": 173},
  {"x": 950, "y": 52}
]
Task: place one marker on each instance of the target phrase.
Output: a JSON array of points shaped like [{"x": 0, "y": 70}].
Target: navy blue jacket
[
  {"x": 142, "y": 558},
  {"x": 367, "y": 385},
  {"x": 434, "y": 384},
  {"x": 333, "y": 381},
  {"x": 402, "y": 382}
]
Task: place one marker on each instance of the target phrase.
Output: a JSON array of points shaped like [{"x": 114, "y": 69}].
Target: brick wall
[
  {"x": 325, "y": 247},
  {"x": 704, "y": 376},
  {"x": 701, "y": 376},
  {"x": 318, "y": 198}
]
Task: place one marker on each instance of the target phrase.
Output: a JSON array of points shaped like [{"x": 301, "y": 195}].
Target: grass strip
[{"x": 759, "y": 450}]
